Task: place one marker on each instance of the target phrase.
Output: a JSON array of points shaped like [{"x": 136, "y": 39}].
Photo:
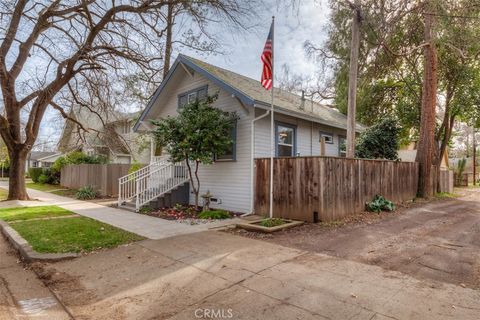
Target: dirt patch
[
  {"x": 437, "y": 240},
  {"x": 63, "y": 282}
]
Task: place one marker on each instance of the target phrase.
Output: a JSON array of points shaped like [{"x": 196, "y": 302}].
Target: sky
[{"x": 293, "y": 26}]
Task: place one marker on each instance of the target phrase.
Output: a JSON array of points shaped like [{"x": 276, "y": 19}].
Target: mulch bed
[{"x": 182, "y": 214}]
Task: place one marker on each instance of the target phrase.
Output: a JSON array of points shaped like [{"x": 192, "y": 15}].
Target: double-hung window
[
  {"x": 230, "y": 154},
  {"x": 192, "y": 95},
  {"x": 285, "y": 140}
]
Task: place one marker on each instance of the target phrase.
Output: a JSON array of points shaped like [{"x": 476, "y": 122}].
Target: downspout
[
  {"x": 252, "y": 160},
  {"x": 311, "y": 138}
]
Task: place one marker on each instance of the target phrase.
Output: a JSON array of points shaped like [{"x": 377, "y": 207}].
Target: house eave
[{"x": 300, "y": 115}]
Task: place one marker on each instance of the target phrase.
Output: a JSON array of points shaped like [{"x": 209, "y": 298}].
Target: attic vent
[{"x": 302, "y": 102}]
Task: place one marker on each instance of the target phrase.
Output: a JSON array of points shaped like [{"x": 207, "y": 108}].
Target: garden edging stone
[{"x": 26, "y": 250}]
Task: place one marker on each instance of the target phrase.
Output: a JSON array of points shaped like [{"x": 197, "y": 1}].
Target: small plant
[
  {"x": 86, "y": 193},
  {"x": 272, "y": 222},
  {"x": 135, "y": 166},
  {"x": 42, "y": 179},
  {"x": 178, "y": 207},
  {"x": 379, "y": 203},
  {"x": 146, "y": 209},
  {"x": 35, "y": 173},
  {"x": 214, "y": 214}
]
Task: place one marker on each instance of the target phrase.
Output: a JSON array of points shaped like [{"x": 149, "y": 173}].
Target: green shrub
[
  {"x": 214, "y": 214},
  {"x": 86, "y": 193},
  {"x": 135, "y": 166},
  {"x": 43, "y": 178},
  {"x": 272, "y": 222},
  {"x": 146, "y": 209},
  {"x": 52, "y": 176},
  {"x": 380, "y": 141},
  {"x": 77, "y": 157},
  {"x": 35, "y": 173},
  {"x": 379, "y": 203}
]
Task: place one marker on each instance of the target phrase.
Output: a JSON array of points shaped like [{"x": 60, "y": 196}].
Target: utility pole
[{"x": 352, "y": 78}]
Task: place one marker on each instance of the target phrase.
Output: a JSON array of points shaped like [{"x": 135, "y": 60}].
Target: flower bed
[{"x": 188, "y": 214}]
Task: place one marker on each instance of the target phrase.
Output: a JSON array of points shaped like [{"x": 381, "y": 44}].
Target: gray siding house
[{"x": 299, "y": 125}]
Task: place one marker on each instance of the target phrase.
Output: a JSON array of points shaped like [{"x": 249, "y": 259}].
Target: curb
[{"x": 27, "y": 252}]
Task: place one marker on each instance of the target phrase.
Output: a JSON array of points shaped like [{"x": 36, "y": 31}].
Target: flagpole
[{"x": 272, "y": 123}]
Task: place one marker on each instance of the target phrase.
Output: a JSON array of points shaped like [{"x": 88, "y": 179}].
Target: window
[
  {"x": 124, "y": 127},
  {"x": 192, "y": 95},
  {"x": 286, "y": 140},
  {"x": 230, "y": 155},
  {"x": 342, "y": 146},
  {"x": 327, "y": 136}
]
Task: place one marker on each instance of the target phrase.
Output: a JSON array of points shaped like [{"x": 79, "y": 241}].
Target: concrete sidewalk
[
  {"x": 192, "y": 276},
  {"x": 146, "y": 226}
]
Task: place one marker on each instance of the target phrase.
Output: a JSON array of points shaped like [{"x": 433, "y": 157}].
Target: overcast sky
[
  {"x": 292, "y": 29},
  {"x": 242, "y": 52}
]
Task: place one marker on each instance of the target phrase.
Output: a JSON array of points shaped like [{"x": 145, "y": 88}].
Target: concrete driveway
[
  {"x": 218, "y": 275},
  {"x": 438, "y": 241}
]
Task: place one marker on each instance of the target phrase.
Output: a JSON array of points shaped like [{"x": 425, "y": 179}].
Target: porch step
[
  {"x": 177, "y": 195},
  {"x": 129, "y": 206}
]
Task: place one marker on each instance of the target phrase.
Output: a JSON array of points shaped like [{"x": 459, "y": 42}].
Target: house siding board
[
  {"x": 228, "y": 181},
  {"x": 308, "y": 136}
]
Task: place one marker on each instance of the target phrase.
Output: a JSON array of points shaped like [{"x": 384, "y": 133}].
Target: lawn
[
  {"x": 65, "y": 234},
  {"x": 43, "y": 187},
  {"x": 26, "y": 213},
  {"x": 52, "y": 188}
]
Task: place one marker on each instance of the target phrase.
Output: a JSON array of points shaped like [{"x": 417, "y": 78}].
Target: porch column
[{"x": 152, "y": 148}]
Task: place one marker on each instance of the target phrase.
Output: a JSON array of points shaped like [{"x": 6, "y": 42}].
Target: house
[
  {"x": 41, "y": 159},
  {"x": 300, "y": 126},
  {"x": 109, "y": 134},
  {"x": 408, "y": 153}
]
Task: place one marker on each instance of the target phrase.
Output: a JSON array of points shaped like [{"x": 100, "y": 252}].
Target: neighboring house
[
  {"x": 468, "y": 167},
  {"x": 408, "y": 153},
  {"x": 299, "y": 126},
  {"x": 41, "y": 159},
  {"x": 110, "y": 135}
]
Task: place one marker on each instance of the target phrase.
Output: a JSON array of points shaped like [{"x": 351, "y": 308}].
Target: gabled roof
[
  {"x": 37, "y": 155},
  {"x": 250, "y": 92}
]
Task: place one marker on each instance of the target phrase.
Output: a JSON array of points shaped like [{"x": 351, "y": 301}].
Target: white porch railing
[
  {"x": 127, "y": 184},
  {"x": 159, "y": 182},
  {"x": 151, "y": 181}
]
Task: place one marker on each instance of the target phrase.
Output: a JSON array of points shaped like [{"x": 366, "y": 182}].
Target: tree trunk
[
  {"x": 197, "y": 192},
  {"x": 426, "y": 145},
  {"x": 16, "y": 181},
  {"x": 168, "y": 41}
]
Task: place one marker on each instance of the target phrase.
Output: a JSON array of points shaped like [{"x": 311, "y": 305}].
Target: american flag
[{"x": 267, "y": 59}]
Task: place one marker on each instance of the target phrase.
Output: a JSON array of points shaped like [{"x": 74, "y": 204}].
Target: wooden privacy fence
[
  {"x": 446, "y": 181},
  {"x": 103, "y": 177},
  {"x": 326, "y": 188}
]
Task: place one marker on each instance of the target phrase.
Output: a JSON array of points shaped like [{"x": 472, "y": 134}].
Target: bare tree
[{"x": 51, "y": 49}]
